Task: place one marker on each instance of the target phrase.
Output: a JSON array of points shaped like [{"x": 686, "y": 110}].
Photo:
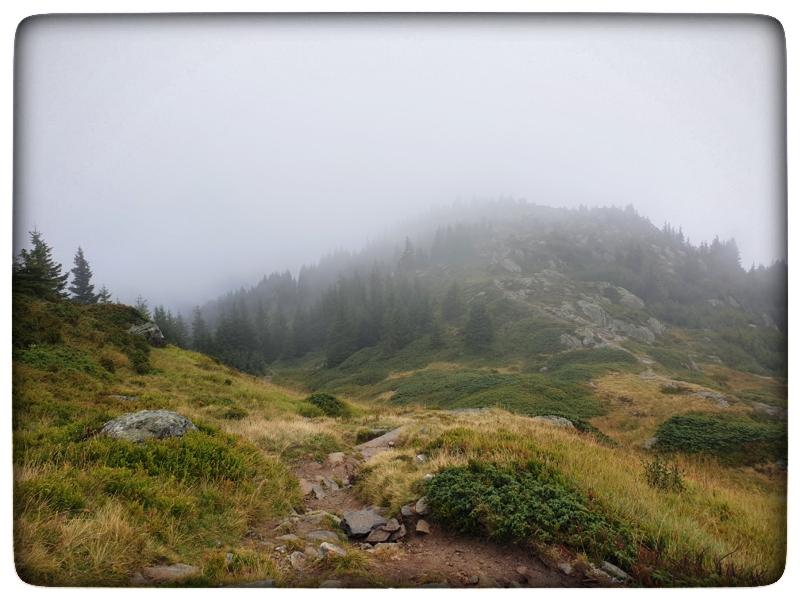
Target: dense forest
[
  {"x": 432, "y": 280},
  {"x": 438, "y": 278}
]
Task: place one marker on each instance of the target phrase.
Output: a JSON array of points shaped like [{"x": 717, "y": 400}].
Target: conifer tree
[
  {"x": 201, "y": 337},
  {"x": 452, "y": 305},
  {"x": 37, "y": 273},
  {"x": 104, "y": 296},
  {"x": 479, "y": 331},
  {"x": 141, "y": 306},
  {"x": 406, "y": 262},
  {"x": 82, "y": 289}
]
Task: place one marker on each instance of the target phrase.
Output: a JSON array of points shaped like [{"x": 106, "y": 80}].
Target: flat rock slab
[
  {"x": 322, "y": 535},
  {"x": 378, "y": 535},
  {"x": 357, "y": 523},
  {"x": 146, "y": 425},
  {"x": 168, "y": 573},
  {"x": 379, "y": 444}
]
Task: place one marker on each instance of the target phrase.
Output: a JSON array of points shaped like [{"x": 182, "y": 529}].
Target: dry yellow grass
[{"x": 635, "y": 407}]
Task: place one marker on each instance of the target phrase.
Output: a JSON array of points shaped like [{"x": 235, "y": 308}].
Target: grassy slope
[
  {"x": 727, "y": 510},
  {"x": 92, "y": 511}
]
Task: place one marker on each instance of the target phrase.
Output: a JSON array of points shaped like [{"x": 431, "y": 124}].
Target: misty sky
[{"x": 189, "y": 155}]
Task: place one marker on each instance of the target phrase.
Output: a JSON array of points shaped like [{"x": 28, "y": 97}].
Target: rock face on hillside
[
  {"x": 151, "y": 332},
  {"x": 147, "y": 424}
]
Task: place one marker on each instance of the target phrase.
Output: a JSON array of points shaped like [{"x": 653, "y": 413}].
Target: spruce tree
[
  {"x": 479, "y": 331},
  {"x": 141, "y": 306},
  {"x": 452, "y": 305},
  {"x": 104, "y": 296},
  {"x": 82, "y": 289},
  {"x": 37, "y": 273},
  {"x": 201, "y": 336}
]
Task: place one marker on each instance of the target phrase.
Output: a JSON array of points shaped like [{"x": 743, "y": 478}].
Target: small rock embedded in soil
[
  {"x": 565, "y": 568},
  {"x": 613, "y": 570},
  {"x": 423, "y": 527},
  {"x": 328, "y": 549},
  {"x": 421, "y": 506},
  {"x": 306, "y": 487},
  {"x": 399, "y": 534},
  {"x": 408, "y": 511},
  {"x": 297, "y": 559},
  {"x": 322, "y": 535},
  {"x": 335, "y": 458}
]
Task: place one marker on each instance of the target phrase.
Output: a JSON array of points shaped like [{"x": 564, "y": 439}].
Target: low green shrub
[
  {"x": 58, "y": 493},
  {"x": 594, "y": 356},
  {"x": 57, "y": 359},
  {"x": 330, "y": 405},
  {"x": 195, "y": 457},
  {"x": 234, "y": 413},
  {"x": 731, "y": 438},
  {"x": 526, "y": 502}
]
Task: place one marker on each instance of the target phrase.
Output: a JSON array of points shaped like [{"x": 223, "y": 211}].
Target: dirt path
[{"x": 437, "y": 559}]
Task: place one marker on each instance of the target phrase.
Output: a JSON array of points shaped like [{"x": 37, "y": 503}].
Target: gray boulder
[
  {"x": 147, "y": 424},
  {"x": 629, "y": 299},
  {"x": 358, "y": 523},
  {"x": 151, "y": 332}
]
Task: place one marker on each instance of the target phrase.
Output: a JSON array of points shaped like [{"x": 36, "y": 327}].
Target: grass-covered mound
[
  {"x": 90, "y": 510},
  {"x": 733, "y": 439},
  {"x": 524, "y": 393},
  {"x": 526, "y": 502}
]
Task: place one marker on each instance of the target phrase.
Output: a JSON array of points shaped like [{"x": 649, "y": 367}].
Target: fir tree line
[{"x": 36, "y": 273}]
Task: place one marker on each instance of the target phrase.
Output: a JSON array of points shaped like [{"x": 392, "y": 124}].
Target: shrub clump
[
  {"x": 329, "y": 405},
  {"x": 663, "y": 475},
  {"x": 731, "y": 438},
  {"x": 525, "y": 502}
]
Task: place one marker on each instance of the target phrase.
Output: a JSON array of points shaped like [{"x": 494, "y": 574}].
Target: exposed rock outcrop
[
  {"x": 151, "y": 332},
  {"x": 147, "y": 424}
]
